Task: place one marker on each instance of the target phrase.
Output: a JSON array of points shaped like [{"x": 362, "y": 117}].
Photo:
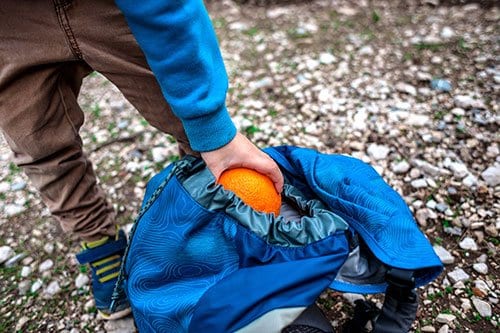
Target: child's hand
[{"x": 240, "y": 152}]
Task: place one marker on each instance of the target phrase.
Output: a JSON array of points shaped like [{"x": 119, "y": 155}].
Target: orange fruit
[{"x": 255, "y": 189}]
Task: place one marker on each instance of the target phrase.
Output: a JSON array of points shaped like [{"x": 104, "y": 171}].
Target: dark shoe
[{"x": 105, "y": 257}]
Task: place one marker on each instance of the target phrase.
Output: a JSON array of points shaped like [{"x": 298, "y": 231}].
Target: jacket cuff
[{"x": 210, "y": 132}]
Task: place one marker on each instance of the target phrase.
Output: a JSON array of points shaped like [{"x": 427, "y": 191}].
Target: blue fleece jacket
[{"x": 181, "y": 48}]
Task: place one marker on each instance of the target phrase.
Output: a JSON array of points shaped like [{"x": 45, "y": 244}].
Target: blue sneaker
[{"x": 105, "y": 257}]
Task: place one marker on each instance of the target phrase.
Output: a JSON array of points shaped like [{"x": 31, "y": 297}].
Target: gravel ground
[{"x": 412, "y": 87}]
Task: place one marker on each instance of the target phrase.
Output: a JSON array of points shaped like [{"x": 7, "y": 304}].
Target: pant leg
[
  {"x": 40, "y": 76},
  {"x": 107, "y": 45}
]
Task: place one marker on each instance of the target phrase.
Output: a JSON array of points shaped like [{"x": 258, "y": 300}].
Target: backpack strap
[
  {"x": 397, "y": 313},
  {"x": 400, "y": 304}
]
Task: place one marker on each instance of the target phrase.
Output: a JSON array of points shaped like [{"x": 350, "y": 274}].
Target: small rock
[
  {"x": 13, "y": 209},
  {"x": 21, "y": 322},
  {"x": 48, "y": 248},
  {"x": 445, "y": 318},
  {"x": 406, "y": 88},
  {"x": 90, "y": 304},
  {"x": 81, "y": 280},
  {"x": 23, "y": 287},
  {"x": 52, "y": 289},
  {"x": 441, "y": 85},
  {"x": 352, "y": 298},
  {"x": 6, "y": 252},
  {"x": 470, "y": 181},
  {"x": 466, "y": 304},
  {"x": 4, "y": 187},
  {"x": 15, "y": 259},
  {"x": 36, "y": 285},
  {"x": 378, "y": 152},
  {"x": 25, "y": 271},
  {"x": 443, "y": 254},
  {"x": 419, "y": 183},
  {"x": 46, "y": 265},
  {"x": 468, "y": 244},
  {"x": 482, "y": 307},
  {"x": 418, "y": 120},
  {"x": 491, "y": 230},
  {"x": 160, "y": 154},
  {"x": 366, "y": 51},
  {"x": 18, "y": 186},
  {"x": 401, "y": 167},
  {"x": 458, "y": 275},
  {"x": 492, "y": 175},
  {"x": 467, "y": 102},
  {"x": 455, "y": 231},
  {"x": 481, "y": 268},
  {"x": 327, "y": 58},
  {"x": 422, "y": 215},
  {"x": 444, "y": 329},
  {"x": 428, "y": 329},
  {"x": 447, "y": 33}
]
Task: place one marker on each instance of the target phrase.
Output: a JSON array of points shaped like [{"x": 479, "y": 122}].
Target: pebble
[
  {"x": 18, "y": 186},
  {"x": 52, "y": 289},
  {"x": 21, "y": 322},
  {"x": 491, "y": 175},
  {"x": 481, "y": 268},
  {"x": 428, "y": 329},
  {"x": 445, "y": 318},
  {"x": 419, "y": 183},
  {"x": 378, "y": 152},
  {"x": 23, "y": 287},
  {"x": 15, "y": 259},
  {"x": 441, "y": 85},
  {"x": 444, "y": 255},
  {"x": 36, "y": 285},
  {"x": 418, "y": 120},
  {"x": 458, "y": 275},
  {"x": 468, "y": 243},
  {"x": 484, "y": 308},
  {"x": 48, "y": 248},
  {"x": 468, "y": 102},
  {"x": 466, "y": 304},
  {"x": 6, "y": 252},
  {"x": 81, "y": 280},
  {"x": 26, "y": 271},
  {"x": 160, "y": 154},
  {"x": 4, "y": 187},
  {"x": 352, "y": 298},
  {"x": 327, "y": 58},
  {"x": 46, "y": 265},
  {"x": 444, "y": 329},
  {"x": 13, "y": 209},
  {"x": 400, "y": 167},
  {"x": 406, "y": 88},
  {"x": 447, "y": 33},
  {"x": 469, "y": 181}
]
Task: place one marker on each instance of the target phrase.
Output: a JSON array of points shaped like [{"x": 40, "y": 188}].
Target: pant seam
[{"x": 62, "y": 17}]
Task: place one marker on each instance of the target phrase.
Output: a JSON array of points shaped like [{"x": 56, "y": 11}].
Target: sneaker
[{"x": 105, "y": 257}]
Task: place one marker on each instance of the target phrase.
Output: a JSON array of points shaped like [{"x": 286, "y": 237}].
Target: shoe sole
[{"x": 115, "y": 315}]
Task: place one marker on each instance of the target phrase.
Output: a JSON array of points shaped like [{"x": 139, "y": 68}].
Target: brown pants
[{"x": 46, "y": 48}]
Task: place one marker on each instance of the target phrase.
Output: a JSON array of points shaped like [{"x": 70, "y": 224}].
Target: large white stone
[
  {"x": 378, "y": 152},
  {"x": 492, "y": 175},
  {"x": 458, "y": 275},
  {"x": 443, "y": 254},
  {"x": 484, "y": 308},
  {"x": 6, "y": 252}
]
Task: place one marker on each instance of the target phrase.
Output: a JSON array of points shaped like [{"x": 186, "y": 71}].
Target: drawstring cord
[{"x": 118, "y": 290}]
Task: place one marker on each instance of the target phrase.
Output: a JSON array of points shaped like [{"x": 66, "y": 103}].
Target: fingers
[{"x": 240, "y": 152}]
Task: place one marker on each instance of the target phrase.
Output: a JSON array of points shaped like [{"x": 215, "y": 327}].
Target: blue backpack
[{"x": 200, "y": 260}]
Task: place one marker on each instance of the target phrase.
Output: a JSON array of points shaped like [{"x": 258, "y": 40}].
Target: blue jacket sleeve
[{"x": 181, "y": 48}]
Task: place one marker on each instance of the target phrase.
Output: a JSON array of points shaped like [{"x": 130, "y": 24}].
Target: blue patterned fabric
[
  {"x": 356, "y": 192},
  {"x": 192, "y": 269}
]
